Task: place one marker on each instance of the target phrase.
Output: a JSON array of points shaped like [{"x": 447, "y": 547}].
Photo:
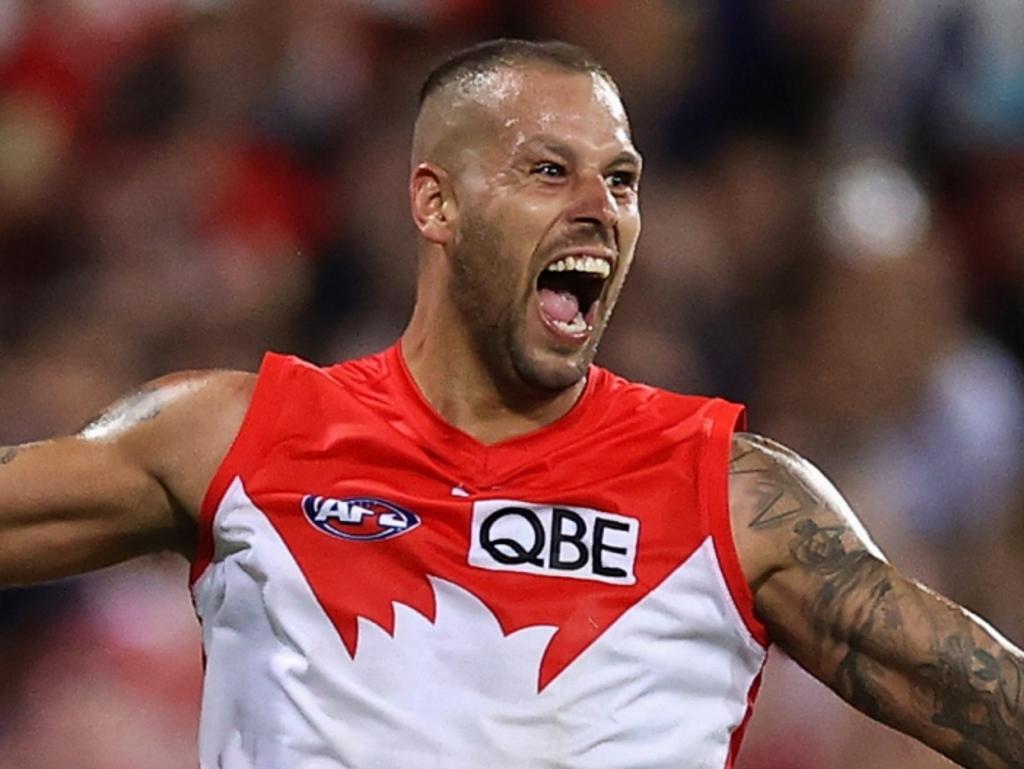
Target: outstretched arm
[
  {"x": 129, "y": 483},
  {"x": 888, "y": 645}
]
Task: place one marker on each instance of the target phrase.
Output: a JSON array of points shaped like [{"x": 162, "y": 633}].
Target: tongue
[{"x": 559, "y": 305}]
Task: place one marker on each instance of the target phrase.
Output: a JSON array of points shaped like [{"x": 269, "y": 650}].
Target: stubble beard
[{"x": 482, "y": 271}]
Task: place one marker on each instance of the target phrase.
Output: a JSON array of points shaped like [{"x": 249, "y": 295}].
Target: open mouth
[{"x": 570, "y": 290}]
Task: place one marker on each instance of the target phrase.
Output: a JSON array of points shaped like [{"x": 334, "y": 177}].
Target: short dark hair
[{"x": 503, "y": 52}]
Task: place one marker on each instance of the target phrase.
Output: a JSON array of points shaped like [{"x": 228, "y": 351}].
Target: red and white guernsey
[{"x": 378, "y": 590}]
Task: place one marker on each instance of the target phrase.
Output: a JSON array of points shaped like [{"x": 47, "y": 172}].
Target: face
[{"x": 547, "y": 222}]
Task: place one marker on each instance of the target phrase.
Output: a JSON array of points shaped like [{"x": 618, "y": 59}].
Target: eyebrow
[
  {"x": 556, "y": 145},
  {"x": 628, "y": 156}
]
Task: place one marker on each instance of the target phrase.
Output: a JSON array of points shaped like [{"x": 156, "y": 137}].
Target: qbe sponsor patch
[{"x": 554, "y": 541}]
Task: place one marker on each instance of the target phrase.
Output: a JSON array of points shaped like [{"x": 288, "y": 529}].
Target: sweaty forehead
[
  {"x": 548, "y": 99},
  {"x": 505, "y": 107}
]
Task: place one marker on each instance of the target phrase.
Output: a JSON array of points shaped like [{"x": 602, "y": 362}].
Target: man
[{"x": 476, "y": 549}]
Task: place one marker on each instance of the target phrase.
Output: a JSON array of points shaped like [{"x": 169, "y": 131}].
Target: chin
[{"x": 551, "y": 373}]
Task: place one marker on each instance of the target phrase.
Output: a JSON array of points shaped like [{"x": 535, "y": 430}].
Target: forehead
[{"x": 575, "y": 106}]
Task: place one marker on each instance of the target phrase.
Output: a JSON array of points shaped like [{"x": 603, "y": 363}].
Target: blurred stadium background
[{"x": 834, "y": 234}]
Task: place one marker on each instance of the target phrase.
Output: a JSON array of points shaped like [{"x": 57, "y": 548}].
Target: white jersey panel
[{"x": 665, "y": 686}]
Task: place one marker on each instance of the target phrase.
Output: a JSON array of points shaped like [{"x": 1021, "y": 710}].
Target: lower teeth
[{"x": 575, "y": 326}]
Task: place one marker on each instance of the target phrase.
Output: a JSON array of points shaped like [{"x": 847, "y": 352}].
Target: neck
[{"x": 456, "y": 382}]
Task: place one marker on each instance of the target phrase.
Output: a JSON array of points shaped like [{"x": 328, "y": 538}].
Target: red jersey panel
[{"x": 379, "y": 589}]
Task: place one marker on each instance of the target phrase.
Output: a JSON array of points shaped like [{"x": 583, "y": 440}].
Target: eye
[
  {"x": 622, "y": 180},
  {"x": 549, "y": 169}
]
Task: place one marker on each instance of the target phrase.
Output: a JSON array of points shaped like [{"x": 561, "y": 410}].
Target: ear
[{"x": 433, "y": 203}]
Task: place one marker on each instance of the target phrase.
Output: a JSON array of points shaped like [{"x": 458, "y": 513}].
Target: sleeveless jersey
[{"x": 378, "y": 590}]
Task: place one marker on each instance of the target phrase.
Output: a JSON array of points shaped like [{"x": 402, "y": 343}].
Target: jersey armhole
[
  {"x": 259, "y": 418},
  {"x": 726, "y": 418}
]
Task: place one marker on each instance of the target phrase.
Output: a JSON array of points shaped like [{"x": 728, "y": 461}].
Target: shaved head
[
  {"x": 459, "y": 97},
  {"x": 488, "y": 56}
]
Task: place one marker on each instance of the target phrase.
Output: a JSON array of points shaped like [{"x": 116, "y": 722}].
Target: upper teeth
[{"x": 591, "y": 264}]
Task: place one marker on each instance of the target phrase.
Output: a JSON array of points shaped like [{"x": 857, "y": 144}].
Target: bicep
[
  {"x": 809, "y": 562},
  {"x": 71, "y": 504}
]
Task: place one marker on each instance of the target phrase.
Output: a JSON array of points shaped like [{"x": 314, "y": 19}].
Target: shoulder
[
  {"x": 785, "y": 511},
  {"x": 178, "y": 428},
  {"x": 760, "y": 466},
  {"x": 180, "y": 396},
  {"x": 757, "y": 462}
]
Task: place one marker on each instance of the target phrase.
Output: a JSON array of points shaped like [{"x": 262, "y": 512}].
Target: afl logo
[{"x": 364, "y": 519}]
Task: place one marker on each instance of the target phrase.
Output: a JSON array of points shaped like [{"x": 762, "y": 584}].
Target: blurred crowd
[{"x": 833, "y": 234}]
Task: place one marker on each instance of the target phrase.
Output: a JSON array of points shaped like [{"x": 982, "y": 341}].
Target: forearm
[
  {"x": 913, "y": 660},
  {"x": 952, "y": 681},
  {"x": 971, "y": 686}
]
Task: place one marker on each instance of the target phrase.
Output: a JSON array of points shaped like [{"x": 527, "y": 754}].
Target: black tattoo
[
  {"x": 854, "y": 575},
  {"x": 973, "y": 690},
  {"x": 1011, "y": 682},
  {"x": 970, "y": 689},
  {"x": 819, "y": 547},
  {"x": 8, "y": 454},
  {"x": 779, "y": 499},
  {"x": 735, "y": 459},
  {"x": 977, "y": 694},
  {"x": 889, "y": 647}
]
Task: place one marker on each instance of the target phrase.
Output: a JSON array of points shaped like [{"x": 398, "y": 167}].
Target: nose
[{"x": 594, "y": 203}]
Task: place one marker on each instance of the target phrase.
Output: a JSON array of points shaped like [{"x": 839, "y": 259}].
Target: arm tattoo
[
  {"x": 779, "y": 499},
  {"x": 896, "y": 639},
  {"x": 10, "y": 453},
  {"x": 976, "y": 690},
  {"x": 890, "y": 647}
]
